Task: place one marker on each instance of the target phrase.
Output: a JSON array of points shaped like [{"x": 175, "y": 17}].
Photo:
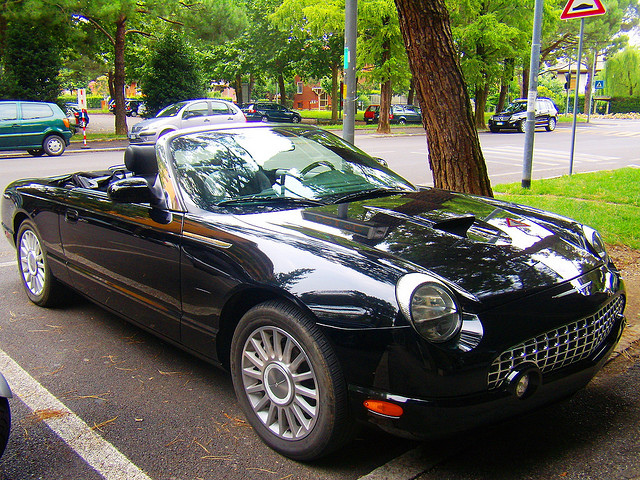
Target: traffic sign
[
  {"x": 582, "y": 8},
  {"x": 599, "y": 84}
]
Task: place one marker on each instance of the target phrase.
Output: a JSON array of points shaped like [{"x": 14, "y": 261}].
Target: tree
[
  {"x": 324, "y": 42},
  {"x": 455, "y": 156},
  {"x": 600, "y": 36},
  {"x": 119, "y": 19},
  {"x": 622, "y": 73},
  {"x": 160, "y": 83},
  {"x": 490, "y": 36},
  {"x": 32, "y": 60},
  {"x": 381, "y": 50}
]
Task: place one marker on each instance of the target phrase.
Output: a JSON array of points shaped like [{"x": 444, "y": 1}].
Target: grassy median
[{"x": 608, "y": 201}]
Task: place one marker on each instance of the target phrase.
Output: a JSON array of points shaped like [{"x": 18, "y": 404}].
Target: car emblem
[{"x": 583, "y": 289}]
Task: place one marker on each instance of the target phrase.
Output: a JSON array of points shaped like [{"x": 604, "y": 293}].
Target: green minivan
[{"x": 37, "y": 127}]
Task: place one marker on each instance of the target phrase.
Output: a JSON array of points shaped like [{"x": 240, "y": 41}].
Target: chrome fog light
[{"x": 524, "y": 380}]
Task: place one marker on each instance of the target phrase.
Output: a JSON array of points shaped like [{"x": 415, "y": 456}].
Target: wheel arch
[
  {"x": 18, "y": 219},
  {"x": 239, "y": 304}
]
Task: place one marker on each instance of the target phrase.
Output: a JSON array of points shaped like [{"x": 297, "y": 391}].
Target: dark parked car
[
  {"x": 333, "y": 290},
  {"x": 514, "y": 116},
  {"x": 132, "y": 107},
  {"x": 37, "y": 127},
  {"x": 270, "y": 112},
  {"x": 400, "y": 114}
]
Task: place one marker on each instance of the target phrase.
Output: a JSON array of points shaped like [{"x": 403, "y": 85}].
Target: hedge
[{"x": 93, "y": 101}]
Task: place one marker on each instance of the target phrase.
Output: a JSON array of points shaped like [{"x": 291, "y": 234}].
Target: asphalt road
[{"x": 151, "y": 411}]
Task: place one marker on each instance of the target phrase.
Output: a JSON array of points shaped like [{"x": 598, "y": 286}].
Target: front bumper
[{"x": 425, "y": 418}]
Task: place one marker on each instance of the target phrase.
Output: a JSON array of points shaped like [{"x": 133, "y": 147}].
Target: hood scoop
[{"x": 457, "y": 225}]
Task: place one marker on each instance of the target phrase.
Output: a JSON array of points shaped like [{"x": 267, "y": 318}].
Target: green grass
[{"x": 608, "y": 201}]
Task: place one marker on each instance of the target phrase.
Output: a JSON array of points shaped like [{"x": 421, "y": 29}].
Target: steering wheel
[{"x": 319, "y": 163}]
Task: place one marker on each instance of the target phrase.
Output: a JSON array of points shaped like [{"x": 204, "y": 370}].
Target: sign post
[{"x": 579, "y": 9}]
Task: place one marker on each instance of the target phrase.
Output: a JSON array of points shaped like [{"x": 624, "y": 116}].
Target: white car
[{"x": 189, "y": 113}]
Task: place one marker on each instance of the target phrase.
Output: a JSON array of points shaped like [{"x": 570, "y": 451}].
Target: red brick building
[{"x": 310, "y": 96}]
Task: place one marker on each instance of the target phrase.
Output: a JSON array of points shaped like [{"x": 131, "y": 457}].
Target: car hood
[
  {"x": 153, "y": 122},
  {"x": 482, "y": 247}
]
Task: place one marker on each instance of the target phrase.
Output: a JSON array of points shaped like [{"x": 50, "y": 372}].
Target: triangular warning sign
[{"x": 582, "y": 8}]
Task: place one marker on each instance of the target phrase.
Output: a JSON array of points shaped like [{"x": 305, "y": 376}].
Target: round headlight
[
  {"x": 595, "y": 242},
  {"x": 430, "y": 306}
]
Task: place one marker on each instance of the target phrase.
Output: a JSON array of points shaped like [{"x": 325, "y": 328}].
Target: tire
[
  {"x": 5, "y": 423},
  {"x": 402, "y": 121},
  {"x": 296, "y": 119},
  {"x": 264, "y": 119},
  {"x": 551, "y": 124},
  {"x": 40, "y": 285},
  {"x": 493, "y": 129},
  {"x": 522, "y": 124},
  {"x": 35, "y": 152},
  {"x": 289, "y": 383},
  {"x": 54, "y": 145}
]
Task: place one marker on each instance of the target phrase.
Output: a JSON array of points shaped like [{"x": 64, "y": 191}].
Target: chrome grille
[{"x": 558, "y": 348}]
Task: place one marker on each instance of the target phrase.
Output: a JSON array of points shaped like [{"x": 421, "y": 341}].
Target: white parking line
[
  {"x": 103, "y": 457},
  {"x": 415, "y": 462}
]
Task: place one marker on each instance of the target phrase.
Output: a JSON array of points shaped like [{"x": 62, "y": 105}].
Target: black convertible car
[{"x": 333, "y": 290}]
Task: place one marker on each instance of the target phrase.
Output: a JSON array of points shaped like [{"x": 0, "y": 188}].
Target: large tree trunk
[
  {"x": 335, "y": 95},
  {"x": 118, "y": 77},
  {"x": 455, "y": 156},
  {"x": 385, "y": 93}
]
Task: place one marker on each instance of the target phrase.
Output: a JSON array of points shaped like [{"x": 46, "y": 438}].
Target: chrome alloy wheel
[
  {"x": 280, "y": 383},
  {"x": 32, "y": 262}
]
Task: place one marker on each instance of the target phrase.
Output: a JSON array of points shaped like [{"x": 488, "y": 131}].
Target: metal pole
[
  {"x": 534, "y": 66},
  {"x": 566, "y": 112},
  {"x": 592, "y": 90},
  {"x": 575, "y": 98},
  {"x": 350, "y": 34}
]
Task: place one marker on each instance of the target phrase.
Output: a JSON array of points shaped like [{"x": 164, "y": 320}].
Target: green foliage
[
  {"x": 172, "y": 73},
  {"x": 379, "y": 30},
  {"x": 31, "y": 61},
  {"x": 622, "y": 73},
  {"x": 624, "y": 105},
  {"x": 94, "y": 102}
]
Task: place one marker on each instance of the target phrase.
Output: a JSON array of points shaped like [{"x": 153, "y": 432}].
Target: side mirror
[{"x": 131, "y": 190}]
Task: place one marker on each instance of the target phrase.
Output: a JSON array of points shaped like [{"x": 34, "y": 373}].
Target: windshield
[
  {"x": 171, "y": 110},
  {"x": 286, "y": 165},
  {"x": 516, "y": 107}
]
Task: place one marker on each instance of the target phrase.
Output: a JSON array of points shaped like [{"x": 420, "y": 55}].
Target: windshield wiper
[
  {"x": 266, "y": 200},
  {"x": 366, "y": 194}
]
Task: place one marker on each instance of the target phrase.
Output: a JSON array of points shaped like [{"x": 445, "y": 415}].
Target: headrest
[{"x": 141, "y": 159}]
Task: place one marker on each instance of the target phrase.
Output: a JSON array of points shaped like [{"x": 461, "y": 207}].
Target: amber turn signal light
[{"x": 381, "y": 407}]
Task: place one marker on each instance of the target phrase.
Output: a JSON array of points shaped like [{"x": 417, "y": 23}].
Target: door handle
[{"x": 71, "y": 215}]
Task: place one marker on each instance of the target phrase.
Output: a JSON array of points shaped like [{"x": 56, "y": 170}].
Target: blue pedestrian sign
[{"x": 599, "y": 84}]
